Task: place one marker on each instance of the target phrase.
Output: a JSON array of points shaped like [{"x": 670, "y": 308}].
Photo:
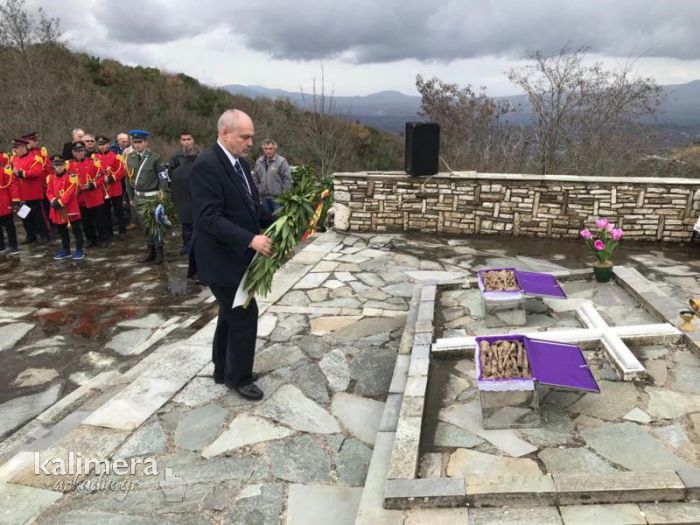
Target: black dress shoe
[
  {"x": 219, "y": 380},
  {"x": 249, "y": 391}
]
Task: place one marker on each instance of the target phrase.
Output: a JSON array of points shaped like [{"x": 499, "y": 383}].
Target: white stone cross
[{"x": 612, "y": 338}]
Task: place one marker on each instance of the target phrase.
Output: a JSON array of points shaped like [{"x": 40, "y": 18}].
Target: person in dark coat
[
  {"x": 180, "y": 191},
  {"x": 67, "y": 152},
  {"x": 227, "y": 218}
]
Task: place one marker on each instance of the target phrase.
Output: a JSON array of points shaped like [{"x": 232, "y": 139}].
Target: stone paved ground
[
  {"x": 63, "y": 322},
  {"x": 654, "y": 418},
  {"x": 329, "y": 336}
]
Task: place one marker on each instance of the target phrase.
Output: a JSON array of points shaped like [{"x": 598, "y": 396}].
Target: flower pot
[{"x": 603, "y": 271}]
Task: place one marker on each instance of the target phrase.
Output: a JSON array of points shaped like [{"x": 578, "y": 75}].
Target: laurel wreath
[
  {"x": 146, "y": 208},
  {"x": 297, "y": 215}
]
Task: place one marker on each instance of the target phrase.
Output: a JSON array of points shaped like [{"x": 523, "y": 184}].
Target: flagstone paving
[
  {"x": 64, "y": 322},
  {"x": 329, "y": 340}
]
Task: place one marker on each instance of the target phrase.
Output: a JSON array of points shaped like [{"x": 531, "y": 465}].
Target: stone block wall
[{"x": 553, "y": 206}]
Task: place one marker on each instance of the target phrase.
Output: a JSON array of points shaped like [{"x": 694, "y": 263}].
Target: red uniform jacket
[
  {"x": 113, "y": 167},
  {"x": 63, "y": 187},
  {"x": 46, "y": 163},
  {"x": 31, "y": 187},
  {"x": 8, "y": 186},
  {"x": 86, "y": 171}
]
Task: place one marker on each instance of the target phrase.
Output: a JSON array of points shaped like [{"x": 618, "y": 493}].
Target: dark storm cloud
[{"x": 367, "y": 31}]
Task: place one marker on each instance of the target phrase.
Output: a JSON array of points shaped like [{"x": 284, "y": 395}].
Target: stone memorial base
[{"x": 629, "y": 444}]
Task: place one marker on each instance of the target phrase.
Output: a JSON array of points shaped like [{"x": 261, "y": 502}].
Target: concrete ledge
[
  {"x": 371, "y": 510},
  {"x": 405, "y": 453},
  {"x": 410, "y": 379},
  {"x": 390, "y": 416},
  {"x": 398, "y": 380},
  {"x": 691, "y": 479},
  {"x": 619, "y": 487},
  {"x": 434, "y": 492},
  {"x": 511, "y": 490}
]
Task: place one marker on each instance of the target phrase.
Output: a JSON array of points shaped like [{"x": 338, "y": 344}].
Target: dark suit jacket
[
  {"x": 180, "y": 189},
  {"x": 224, "y": 222}
]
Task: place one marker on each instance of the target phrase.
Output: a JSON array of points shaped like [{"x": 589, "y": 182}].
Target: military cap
[
  {"x": 31, "y": 136},
  {"x": 101, "y": 139},
  {"x": 57, "y": 159},
  {"x": 138, "y": 134},
  {"x": 78, "y": 145},
  {"x": 16, "y": 143}
]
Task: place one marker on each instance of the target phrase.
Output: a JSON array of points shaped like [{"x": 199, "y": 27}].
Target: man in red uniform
[
  {"x": 90, "y": 196},
  {"x": 62, "y": 194},
  {"x": 34, "y": 149},
  {"x": 8, "y": 198},
  {"x": 112, "y": 166},
  {"x": 30, "y": 172}
]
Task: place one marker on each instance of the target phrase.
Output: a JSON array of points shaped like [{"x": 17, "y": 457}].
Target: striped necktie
[{"x": 239, "y": 171}]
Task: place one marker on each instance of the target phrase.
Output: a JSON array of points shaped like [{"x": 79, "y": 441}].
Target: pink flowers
[{"x": 602, "y": 242}]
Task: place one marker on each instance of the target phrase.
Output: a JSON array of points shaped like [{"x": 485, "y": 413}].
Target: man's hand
[{"x": 262, "y": 244}]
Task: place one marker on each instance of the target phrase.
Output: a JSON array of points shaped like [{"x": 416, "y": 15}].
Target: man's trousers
[{"x": 233, "y": 351}]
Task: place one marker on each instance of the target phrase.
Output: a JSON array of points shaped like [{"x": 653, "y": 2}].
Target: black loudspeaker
[{"x": 422, "y": 148}]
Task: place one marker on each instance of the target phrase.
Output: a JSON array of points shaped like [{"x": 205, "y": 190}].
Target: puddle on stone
[{"x": 76, "y": 307}]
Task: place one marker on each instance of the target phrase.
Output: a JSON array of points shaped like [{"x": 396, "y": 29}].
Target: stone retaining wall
[{"x": 554, "y": 206}]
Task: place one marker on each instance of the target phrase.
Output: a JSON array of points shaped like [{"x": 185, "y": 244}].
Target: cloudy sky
[{"x": 373, "y": 45}]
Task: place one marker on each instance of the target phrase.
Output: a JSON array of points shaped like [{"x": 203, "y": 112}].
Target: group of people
[
  {"x": 94, "y": 187},
  {"x": 79, "y": 191},
  {"x": 222, "y": 204}
]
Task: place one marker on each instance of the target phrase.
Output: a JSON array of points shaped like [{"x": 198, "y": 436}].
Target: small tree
[
  {"x": 19, "y": 30},
  {"x": 586, "y": 119},
  {"x": 473, "y": 133},
  {"x": 328, "y": 137},
  {"x": 30, "y": 48}
]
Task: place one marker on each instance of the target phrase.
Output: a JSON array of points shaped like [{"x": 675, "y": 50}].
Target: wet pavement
[
  {"x": 328, "y": 340},
  {"x": 63, "y": 322}
]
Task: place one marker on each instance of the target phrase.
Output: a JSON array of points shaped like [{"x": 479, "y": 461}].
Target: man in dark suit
[{"x": 227, "y": 219}]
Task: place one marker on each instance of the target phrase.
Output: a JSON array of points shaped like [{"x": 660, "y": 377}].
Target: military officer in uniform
[{"x": 147, "y": 176}]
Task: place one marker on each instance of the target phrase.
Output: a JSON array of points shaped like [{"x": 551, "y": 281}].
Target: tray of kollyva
[
  {"x": 510, "y": 367},
  {"x": 503, "y": 292}
]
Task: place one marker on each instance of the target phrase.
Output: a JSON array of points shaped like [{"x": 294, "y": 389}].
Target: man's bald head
[
  {"x": 122, "y": 140},
  {"x": 236, "y": 132}
]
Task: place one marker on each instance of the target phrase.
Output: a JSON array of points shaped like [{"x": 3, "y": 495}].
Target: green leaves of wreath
[
  {"x": 298, "y": 206},
  {"x": 146, "y": 209}
]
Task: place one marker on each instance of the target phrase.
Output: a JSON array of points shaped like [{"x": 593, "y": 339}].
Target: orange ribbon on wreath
[{"x": 316, "y": 216}]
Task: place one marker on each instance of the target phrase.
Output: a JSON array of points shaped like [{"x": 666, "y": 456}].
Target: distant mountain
[
  {"x": 390, "y": 110},
  {"x": 385, "y": 110}
]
